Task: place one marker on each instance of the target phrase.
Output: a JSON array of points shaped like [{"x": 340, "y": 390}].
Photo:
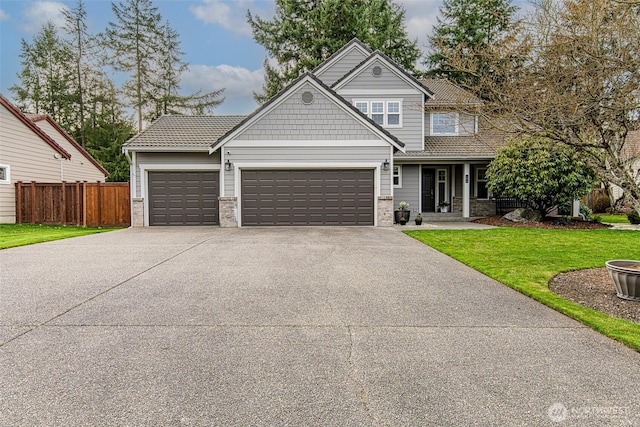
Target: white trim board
[{"x": 310, "y": 143}]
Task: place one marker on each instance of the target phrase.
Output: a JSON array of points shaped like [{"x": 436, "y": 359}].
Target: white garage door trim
[
  {"x": 238, "y": 167},
  {"x": 144, "y": 178}
]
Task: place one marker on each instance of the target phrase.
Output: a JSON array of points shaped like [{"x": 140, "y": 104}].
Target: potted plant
[
  {"x": 402, "y": 212},
  {"x": 626, "y": 278},
  {"x": 443, "y": 206},
  {"x": 419, "y": 219}
]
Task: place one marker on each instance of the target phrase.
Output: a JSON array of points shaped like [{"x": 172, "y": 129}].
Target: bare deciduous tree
[{"x": 571, "y": 74}]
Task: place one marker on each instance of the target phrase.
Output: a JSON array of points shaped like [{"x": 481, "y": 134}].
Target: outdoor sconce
[
  {"x": 385, "y": 165},
  {"x": 466, "y": 179},
  {"x": 228, "y": 165}
]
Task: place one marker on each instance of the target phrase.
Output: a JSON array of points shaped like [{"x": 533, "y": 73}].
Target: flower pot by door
[
  {"x": 401, "y": 214},
  {"x": 625, "y": 275}
]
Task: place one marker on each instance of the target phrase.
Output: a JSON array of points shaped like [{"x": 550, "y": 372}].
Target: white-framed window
[
  {"x": 387, "y": 114},
  {"x": 5, "y": 174},
  {"x": 444, "y": 123},
  {"x": 482, "y": 192},
  {"x": 397, "y": 176}
]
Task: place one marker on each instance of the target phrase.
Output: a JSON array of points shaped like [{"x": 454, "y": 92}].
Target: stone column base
[
  {"x": 137, "y": 212},
  {"x": 385, "y": 211},
  {"x": 228, "y": 209}
]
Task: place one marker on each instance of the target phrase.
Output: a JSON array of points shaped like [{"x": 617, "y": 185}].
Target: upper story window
[
  {"x": 385, "y": 113},
  {"x": 4, "y": 175},
  {"x": 444, "y": 123}
]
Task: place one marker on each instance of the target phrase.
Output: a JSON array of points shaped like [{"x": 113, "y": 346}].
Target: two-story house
[{"x": 342, "y": 145}]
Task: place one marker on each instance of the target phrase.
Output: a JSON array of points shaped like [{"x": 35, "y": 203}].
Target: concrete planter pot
[
  {"x": 398, "y": 215},
  {"x": 626, "y": 278}
]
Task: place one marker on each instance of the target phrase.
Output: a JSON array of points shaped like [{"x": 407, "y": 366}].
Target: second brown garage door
[
  {"x": 308, "y": 197},
  {"x": 183, "y": 198}
]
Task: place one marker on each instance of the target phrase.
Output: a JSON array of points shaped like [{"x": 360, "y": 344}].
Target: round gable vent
[
  {"x": 307, "y": 97},
  {"x": 376, "y": 71}
]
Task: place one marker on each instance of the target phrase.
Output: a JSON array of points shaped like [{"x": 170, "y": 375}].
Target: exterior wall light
[
  {"x": 385, "y": 165},
  {"x": 228, "y": 165}
]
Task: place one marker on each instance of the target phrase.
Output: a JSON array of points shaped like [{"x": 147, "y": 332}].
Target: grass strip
[
  {"x": 12, "y": 235},
  {"x": 526, "y": 259}
]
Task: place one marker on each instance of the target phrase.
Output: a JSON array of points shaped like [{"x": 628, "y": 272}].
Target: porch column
[{"x": 466, "y": 190}]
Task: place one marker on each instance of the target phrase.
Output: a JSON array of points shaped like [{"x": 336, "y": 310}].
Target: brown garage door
[
  {"x": 183, "y": 198},
  {"x": 307, "y": 197}
]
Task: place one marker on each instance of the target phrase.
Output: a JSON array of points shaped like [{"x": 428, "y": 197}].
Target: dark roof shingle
[
  {"x": 446, "y": 93},
  {"x": 184, "y": 131}
]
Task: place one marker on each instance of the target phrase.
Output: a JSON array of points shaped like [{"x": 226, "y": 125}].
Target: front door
[{"x": 428, "y": 190}]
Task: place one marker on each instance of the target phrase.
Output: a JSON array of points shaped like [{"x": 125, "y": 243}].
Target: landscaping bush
[
  {"x": 601, "y": 204},
  {"x": 586, "y": 212},
  {"x": 634, "y": 217}
]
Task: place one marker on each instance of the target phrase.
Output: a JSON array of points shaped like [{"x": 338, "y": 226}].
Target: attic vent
[
  {"x": 307, "y": 97},
  {"x": 376, "y": 71}
]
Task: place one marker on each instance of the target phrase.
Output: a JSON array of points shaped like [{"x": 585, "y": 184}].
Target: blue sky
[{"x": 215, "y": 37}]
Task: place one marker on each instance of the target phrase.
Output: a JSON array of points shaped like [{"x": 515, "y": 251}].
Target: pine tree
[
  {"x": 134, "y": 40},
  {"x": 471, "y": 25},
  {"x": 304, "y": 33}
]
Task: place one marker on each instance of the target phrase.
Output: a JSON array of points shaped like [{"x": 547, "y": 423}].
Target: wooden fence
[{"x": 78, "y": 203}]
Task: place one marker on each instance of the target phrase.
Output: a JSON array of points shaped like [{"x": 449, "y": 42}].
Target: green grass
[
  {"x": 526, "y": 259},
  {"x": 12, "y": 235},
  {"x": 613, "y": 219}
]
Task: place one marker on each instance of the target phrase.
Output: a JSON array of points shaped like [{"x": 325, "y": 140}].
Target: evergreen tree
[
  {"x": 76, "y": 27},
  {"x": 471, "y": 26},
  {"x": 134, "y": 40},
  {"x": 45, "y": 78},
  {"x": 303, "y": 33}
]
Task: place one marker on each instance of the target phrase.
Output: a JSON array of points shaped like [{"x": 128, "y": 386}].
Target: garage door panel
[
  {"x": 307, "y": 197},
  {"x": 183, "y": 198}
]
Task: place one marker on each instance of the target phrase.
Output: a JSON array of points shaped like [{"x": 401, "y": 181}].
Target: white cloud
[
  {"x": 239, "y": 84},
  {"x": 38, "y": 13},
  {"x": 230, "y": 15},
  {"x": 3, "y": 15}
]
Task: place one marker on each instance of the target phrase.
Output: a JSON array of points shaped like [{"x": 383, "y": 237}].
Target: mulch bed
[
  {"x": 549, "y": 223},
  {"x": 591, "y": 287}
]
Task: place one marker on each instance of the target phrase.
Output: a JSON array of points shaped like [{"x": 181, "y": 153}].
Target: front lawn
[
  {"x": 526, "y": 259},
  {"x": 12, "y": 235},
  {"x": 613, "y": 219}
]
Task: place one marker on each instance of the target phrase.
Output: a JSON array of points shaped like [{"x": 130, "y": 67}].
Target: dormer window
[
  {"x": 387, "y": 114},
  {"x": 444, "y": 124}
]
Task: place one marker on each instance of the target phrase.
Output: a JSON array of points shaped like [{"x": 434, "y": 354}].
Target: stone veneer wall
[
  {"x": 137, "y": 212},
  {"x": 477, "y": 207},
  {"x": 228, "y": 211},
  {"x": 385, "y": 211}
]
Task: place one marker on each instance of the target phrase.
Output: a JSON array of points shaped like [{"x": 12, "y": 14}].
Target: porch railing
[{"x": 505, "y": 205}]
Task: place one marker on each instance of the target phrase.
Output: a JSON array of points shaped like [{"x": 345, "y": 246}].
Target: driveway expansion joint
[
  {"x": 353, "y": 374},
  {"x": 99, "y": 294}
]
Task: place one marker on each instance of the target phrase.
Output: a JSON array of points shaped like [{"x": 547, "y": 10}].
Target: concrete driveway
[{"x": 289, "y": 326}]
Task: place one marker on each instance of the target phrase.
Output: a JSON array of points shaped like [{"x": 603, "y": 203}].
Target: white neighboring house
[
  {"x": 631, "y": 154},
  {"x": 37, "y": 149}
]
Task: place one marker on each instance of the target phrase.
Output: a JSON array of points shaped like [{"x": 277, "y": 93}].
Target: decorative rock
[{"x": 522, "y": 215}]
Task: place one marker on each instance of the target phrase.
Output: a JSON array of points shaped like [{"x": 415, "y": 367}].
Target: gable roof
[
  {"x": 446, "y": 93},
  {"x": 391, "y": 64},
  {"x": 337, "y": 55},
  {"x": 183, "y": 133},
  {"x": 313, "y": 80},
  {"x": 36, "y": 118},
  {"x": 35, "y": 129}
]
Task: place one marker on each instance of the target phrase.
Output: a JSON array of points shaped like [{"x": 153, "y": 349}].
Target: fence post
[
  {"x": 64, "y": 203},
  {"x": 84, "y": 203},
  {"x": 99, "y": 204},
  {"x": 77, "y": 205},
  {"x": 19, "y": 202},
  {"x": 33, "y": 202}
]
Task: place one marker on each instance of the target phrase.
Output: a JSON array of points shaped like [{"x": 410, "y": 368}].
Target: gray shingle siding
[
  {"x": 338, "y": 69},
  {"x": 365, "y": 80},
  {"x": 320, "y": 120}
]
